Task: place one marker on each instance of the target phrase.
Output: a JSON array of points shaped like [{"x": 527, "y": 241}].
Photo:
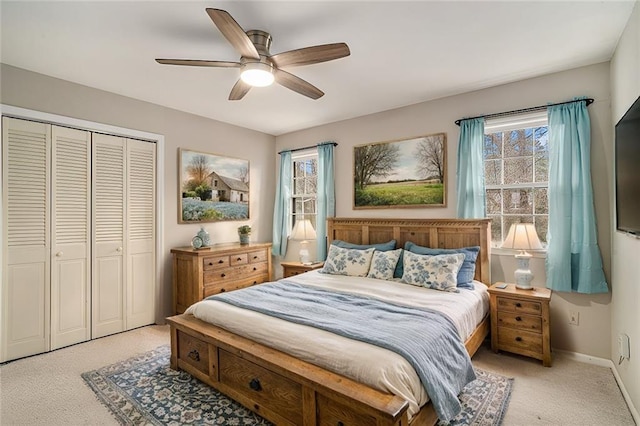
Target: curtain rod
[
  {"x": 589, "y": 101},
  {"x": 308, "y": 147}
]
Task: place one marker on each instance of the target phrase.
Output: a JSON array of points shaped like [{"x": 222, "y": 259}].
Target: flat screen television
[{"x": 627, "y": 166}]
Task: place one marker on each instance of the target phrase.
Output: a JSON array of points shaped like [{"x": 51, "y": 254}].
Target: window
[
  {"x": 305, "y": 178},
  {"x": 516, "y": 173}
]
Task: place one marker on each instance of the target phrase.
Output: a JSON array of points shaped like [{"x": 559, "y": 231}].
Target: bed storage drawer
[
  {"x": 194, "y": 352},
  {"x": 262, "y": 386},
  {"x": 330, "y": 412}
]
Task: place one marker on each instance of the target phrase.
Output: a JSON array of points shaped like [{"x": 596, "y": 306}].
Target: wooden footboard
[{"x": 284, "y": 389}]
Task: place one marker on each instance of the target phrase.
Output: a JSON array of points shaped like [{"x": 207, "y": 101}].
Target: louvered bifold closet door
[
  {"x": 70, "y": 236},
  {"x": 109, "y": 256},
  {"x": 141, "y": 208},
  {"x": 26, "y": 150}
]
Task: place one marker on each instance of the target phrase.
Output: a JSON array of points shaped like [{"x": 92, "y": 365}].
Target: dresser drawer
[
  {"x": 215, "y": 262},
  {"x": 258, "y": 256},
  {"x": 330, "y": 412},
  {"x": 194, "y": 352},
  {"x": 511, "y": 339},
  {"x": 520, "y": 306},
  {"x": 262, "y": 386},
  {"x": 238, "y": 259},
  {"x": 520, "y": 321},
  {"x": 235, "y": 273},
  {"x": 215, "y": 288}
]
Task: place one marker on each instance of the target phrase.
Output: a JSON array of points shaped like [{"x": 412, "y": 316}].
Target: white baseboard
[{"x": 603, "y": 362}]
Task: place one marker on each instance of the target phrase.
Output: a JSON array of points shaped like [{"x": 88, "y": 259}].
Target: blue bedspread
[{"x": 427, "y": 339}]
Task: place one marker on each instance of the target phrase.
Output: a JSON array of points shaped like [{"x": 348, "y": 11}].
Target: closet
[{"x": 78, "y": 236}]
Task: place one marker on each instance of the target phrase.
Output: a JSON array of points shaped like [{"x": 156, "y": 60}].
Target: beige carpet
[{"x": 48, "y": 390}]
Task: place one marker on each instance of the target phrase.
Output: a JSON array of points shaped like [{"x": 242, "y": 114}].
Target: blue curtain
[
  {"x": 282, "y": 208},
  {"x": 574, "y": 262},
  {"x": 470, "y": 172},
  {"x": 326, "y": 196}
]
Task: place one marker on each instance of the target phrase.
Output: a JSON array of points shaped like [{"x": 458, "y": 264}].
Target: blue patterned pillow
[
  {"x": 468, "y": 269},
  {"x": 389, "y": 245},
  {"x": 383, "y": 264},
  {"x": 437, "y": 272},
  {"x": 352, "y": 262}
]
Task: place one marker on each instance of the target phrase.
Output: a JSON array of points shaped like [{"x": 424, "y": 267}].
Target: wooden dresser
[
  {"x": 198, "y": 274},
  {"x": 520, "y": 321}
]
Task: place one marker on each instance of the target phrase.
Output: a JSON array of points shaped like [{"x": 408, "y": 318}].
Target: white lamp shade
[
  {"x": 522, "y": 236},
  {"x": 303, "y": 230}
]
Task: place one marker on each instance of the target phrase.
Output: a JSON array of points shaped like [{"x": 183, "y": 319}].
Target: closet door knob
[
  {"x": 119, "y": 249},
  {"x": 59, "y": 254}
]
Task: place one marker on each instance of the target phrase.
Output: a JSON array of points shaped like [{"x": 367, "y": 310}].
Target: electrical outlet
[{"x": 574, "y": 318}]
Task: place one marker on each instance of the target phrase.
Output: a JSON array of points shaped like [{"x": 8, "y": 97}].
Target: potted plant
[{"x": 243, "y": 232}]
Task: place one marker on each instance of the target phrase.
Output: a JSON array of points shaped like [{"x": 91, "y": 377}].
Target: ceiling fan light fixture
[{"x": 257, "y": 74}]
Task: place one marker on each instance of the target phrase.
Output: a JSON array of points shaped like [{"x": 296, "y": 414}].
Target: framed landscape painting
[
  {"x": 212, "y": 187},
  {"x": 401, "y": 173}
]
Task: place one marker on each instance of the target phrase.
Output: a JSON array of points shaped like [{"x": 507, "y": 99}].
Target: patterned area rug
[{"x": 145, "y": 391}]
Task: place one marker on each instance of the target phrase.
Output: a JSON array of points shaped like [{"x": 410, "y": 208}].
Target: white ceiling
[{"x": 402, "y": 53}]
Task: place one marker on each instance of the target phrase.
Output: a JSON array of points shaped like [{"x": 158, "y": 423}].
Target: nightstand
[
  {"x": 520, "y": 321},
  {"x": 294, "y": 268}
]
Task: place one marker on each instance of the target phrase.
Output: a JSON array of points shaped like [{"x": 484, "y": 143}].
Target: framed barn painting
[
  {"x": 212, "y": 187},
  {"x": 408, "y": 172}
]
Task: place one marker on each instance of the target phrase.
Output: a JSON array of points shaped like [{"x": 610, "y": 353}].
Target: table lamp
[
  {"x": 303, "y": 231},
  {"x": 523, "y": 237}
]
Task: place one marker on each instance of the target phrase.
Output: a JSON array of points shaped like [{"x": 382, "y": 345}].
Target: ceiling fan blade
[
  {"x": 297, "y": 84},
  {"x": 239, "y": 90},
  {"x": 311, "y": 55},
  {"x": 199, "y": 63},
  {"x": 233, "y": 32}
]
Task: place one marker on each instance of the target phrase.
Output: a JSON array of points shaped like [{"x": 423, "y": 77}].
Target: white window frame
[
  {"x": 301, "y": 156},
  {"x": 505, "y": 124}
]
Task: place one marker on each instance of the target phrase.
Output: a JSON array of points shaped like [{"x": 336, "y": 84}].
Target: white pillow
[
  {"x": 383, "y": 264},
  {"x": 352, "y": 262},
  {"x": 438, "y": 272}
]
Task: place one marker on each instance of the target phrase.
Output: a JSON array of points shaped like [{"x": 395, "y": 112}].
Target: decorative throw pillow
[
  {"x": 383, "y": 264},
  {"x": 437, "y": 272},
  {"x": 352, "y": 262},
  {"x": 389, "y": 245},
  {"x": 468, "y": 268}
]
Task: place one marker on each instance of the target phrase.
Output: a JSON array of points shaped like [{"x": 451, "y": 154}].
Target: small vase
[
  {"x": 204, "y": 236},
  {"x": 244, "y": 238}
]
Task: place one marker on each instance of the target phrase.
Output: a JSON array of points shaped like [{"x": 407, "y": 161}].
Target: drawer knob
[
  {"x": 210, "y": 263},
  {"x": 255, "y": 269},
  {"x": 518, "y": 319},
  {"x": 339, "y": 424},
  {"x": 255, "y": 257},
  {"x": 222, "y": 290},
  {"x": 518, "y": 339},
  {"x": 194, "y": 355},
  {"x": 239, "y": 259},
  {"x": 518, "y": 305},
  {"x": 222, "y": 275},
  {"x": 255, "y": 282},
  {"x": 220, "y": 261},
  {"x": 255, "y": 385}
]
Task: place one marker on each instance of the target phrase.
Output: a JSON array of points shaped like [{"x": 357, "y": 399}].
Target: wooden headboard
[{"x": 435, "y": 233}]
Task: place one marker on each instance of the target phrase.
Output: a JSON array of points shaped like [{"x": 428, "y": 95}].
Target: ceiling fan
[{"x": 260, "y": 68}]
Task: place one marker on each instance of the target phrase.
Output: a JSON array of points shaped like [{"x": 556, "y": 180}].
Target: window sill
[{"x": 540, "y": 254}]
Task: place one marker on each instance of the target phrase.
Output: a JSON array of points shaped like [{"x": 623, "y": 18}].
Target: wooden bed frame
[{"x": 289, "y": 391}]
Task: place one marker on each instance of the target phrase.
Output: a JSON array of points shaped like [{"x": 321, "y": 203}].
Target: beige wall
[
  {"x": 625, "y": 304},
  {"x": 592, "y": 335},
  {"x": 33, "y": 91}
]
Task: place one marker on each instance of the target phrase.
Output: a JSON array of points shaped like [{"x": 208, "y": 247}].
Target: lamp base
[
  {"x": 305, "y": 257},
  {"x": 523, "y": 274}
]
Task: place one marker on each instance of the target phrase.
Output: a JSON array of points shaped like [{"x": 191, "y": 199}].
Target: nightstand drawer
[
  {"x": 520, "y": 306},
  {"x": 520, "y": 321},
  {"x": 509, "y": 338}
]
